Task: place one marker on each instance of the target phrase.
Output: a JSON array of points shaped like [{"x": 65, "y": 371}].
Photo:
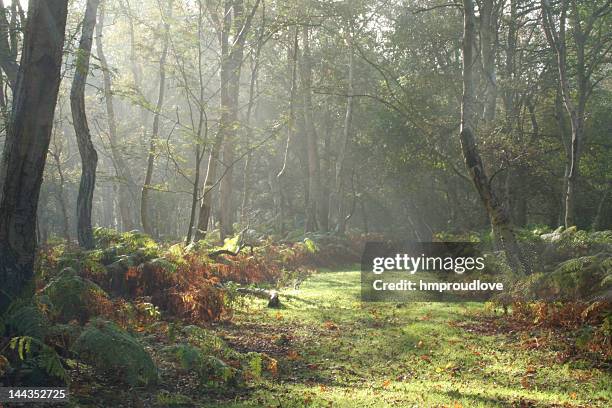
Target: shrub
[
  {"x": 109, "y": 349},
  {"x": 73, "y": 297}
]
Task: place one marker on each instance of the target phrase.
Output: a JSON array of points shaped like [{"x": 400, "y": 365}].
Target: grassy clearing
[{"x": 334, "y": 350}]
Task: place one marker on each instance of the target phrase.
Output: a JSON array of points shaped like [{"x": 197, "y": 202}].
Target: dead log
[
  {"x": 242, "y": 244},
  {"x": 271, "y": 295},
  {"x": 218, "y": 252}
]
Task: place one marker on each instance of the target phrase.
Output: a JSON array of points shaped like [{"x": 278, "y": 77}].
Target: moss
[{"x": 111, "y": 350}]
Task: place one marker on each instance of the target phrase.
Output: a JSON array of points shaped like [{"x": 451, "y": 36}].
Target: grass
[{"x": 335, "y": 351}]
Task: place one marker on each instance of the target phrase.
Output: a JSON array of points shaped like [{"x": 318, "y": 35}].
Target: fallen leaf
[
  {"x": 386, "y": 383},
  {"x": 273, "y": 367},
  {"x": 293, "y": 355},
  {"x": 525, "y": 382},
  {"x": 329, "y": 325}
]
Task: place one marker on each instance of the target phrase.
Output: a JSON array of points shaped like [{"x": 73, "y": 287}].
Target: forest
[{"x": 191, "y": 191}]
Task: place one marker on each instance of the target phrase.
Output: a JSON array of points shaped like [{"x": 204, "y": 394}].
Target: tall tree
[
  {"x": 341, "y": 170},
  {"x": 500, "y": 219},
  {"x": 8, "y": 51},
  {"x": 586, "y": 24},
  {"x": 89, "y": 156},
  {"x": 27, "y": 141},
  {"x": 234, "y": 25},
  {"x": 312, "y": 149},
  {"x": 127, "y": 197},
  {"x": 145, "y": 211}
]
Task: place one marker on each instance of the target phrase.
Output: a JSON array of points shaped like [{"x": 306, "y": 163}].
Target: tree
[
  {"x": 27, "y": 142},
  {"x": 234, "y": 25},
  {"x": 127, "y": 189},
  {"x": 145, "y": 215},
  {"x": 89, "y": 156},
  {"x": 312, "y": 150},
  {"x": 500, "y": 219},
  {"x": 591, "y": 46}
]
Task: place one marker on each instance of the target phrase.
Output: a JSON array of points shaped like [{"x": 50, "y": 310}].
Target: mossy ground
[{"x": 334, "y": 350}]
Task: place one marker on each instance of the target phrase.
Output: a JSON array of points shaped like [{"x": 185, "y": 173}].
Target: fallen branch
[
  {"x": 271, "y": 295},
  {"x": 218, "y": 252},
  {"x": 242, "y": 245}
]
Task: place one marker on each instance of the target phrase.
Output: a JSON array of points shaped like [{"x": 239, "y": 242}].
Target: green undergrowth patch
[{"x": 338, "y": 351}]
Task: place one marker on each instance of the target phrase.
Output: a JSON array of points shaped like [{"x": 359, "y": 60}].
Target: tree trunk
[
  {"x": 236, "y": 24},
  {"x": 7, "y": 51},
  {"x": 61, "y": 199},
  {"x": 229, "y": 121},
  {"x": 89, "y": 157},
  {"x": 312, "y": 153},
  {"x": 488, "y": 40},
  {"x": 27, "y": 140},
  {"x": 601, "y": 208},
  {"x": 209, "y": 185},
  {"x": 557, "y": 40},
  {"x": 326, "y": 173},
  {"x": 127, "y": 197},
  {"x": 346, "y": 135},
  {"x": 498, "y": 215},
  {"x": 292, "y": 60},
  {"x": 246, "y": 181},
  {"x": 145, "y": 215}
]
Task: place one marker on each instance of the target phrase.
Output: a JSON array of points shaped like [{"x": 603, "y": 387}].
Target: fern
[
  {"x": 24, "y": 319},
  {"x": 164, "y": 265},
  {"x": 73, "y": 297},
  {"x": 188, "y": 356},
  {"x": 43, "y": 355},
  {"x": 110, "y": 349},
  {"x": 255, "y": 365}
]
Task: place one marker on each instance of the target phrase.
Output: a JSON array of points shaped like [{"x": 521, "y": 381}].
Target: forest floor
[{"x": 334, "y": 350}]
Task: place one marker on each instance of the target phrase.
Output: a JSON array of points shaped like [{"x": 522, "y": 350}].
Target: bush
[
  {"x": 72, "y": 297},
  {"x": 113, "y": 351},
  {"x": 24, "y": 318}
]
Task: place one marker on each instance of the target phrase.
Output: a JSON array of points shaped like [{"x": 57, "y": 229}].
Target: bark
[
  {"x": 326, "y": 173},
  {"x": 598, "y": 221},
  {"x": 27, "y": 140},
  {"x": 202, "y": 125},
  {"x": 498, "y": 215},
  {"x": 488, "y": 41},
  {"x": 8, "y": 52},
  {"x": 346, "y": 135},
  {"x": 145, "y": 211},
  {"x": 312, "y": 153},
  {"x": 128, "y": 190},
  {"x": 237, "y": 25},
  {"x": 364, "y": 215},
  {"x": 246, "y": 182},
  {"x": 60, "y": 196},
  {"x": 240, "y": 27},
  {"x": 211, "y": 171},
  {"x": 575, "y": 106},
  {"x": 565, "y": 141},
  {"x": 292, "y": 59},
  {"x": 89, "y": 157}
]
